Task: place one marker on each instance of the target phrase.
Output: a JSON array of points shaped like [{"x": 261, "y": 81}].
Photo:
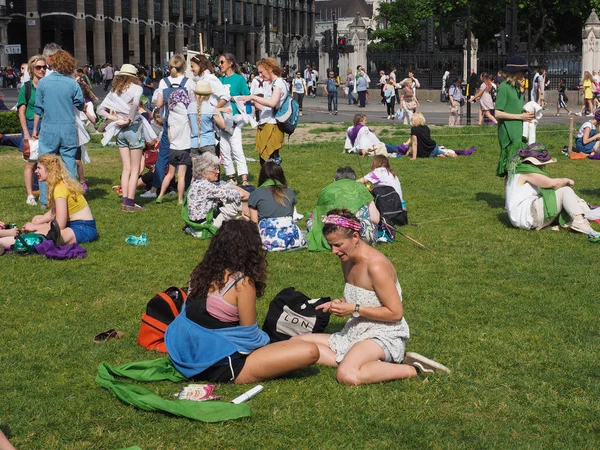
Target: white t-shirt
[
  {"x": 299, "y": 85},
  {"x": 381, "y": 177},
  {"x": 219, "y": 90},
  {"x": 257, "y": 87},
  {"x": 180, "y": 132},
  {"x": 189, "y": 87},
  {"x": 268, "y": 115},
  {"x": 518, "y": 203},
  {"x": 88, "y": 108},
  {"x": 585, "y": 125}
]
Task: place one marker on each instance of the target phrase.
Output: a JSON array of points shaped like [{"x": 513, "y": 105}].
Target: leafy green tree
[{"x": 400, "y": 20}]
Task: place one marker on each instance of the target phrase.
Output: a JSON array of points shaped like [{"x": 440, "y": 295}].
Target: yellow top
[
  {"x": 73, "y": 204},
  {"x": 587, "y": 89}
]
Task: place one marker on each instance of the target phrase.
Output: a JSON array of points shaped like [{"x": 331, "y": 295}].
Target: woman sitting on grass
[
  {"x": 370, "y": 348},
  {"x": 216, "y": 338},
  {"x": 422, "y": 144},
  {"x": 587, "y": 136},
  {"x": 360, "y": 139},
  {"x": 69, "y": 216},
  {"x": 534, "y": 200},
  {"x": 207, "y": 196},
  {"x": 272, "y": 207}
]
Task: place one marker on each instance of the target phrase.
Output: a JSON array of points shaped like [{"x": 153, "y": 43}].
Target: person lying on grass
[
  {"x": 534, "y": 200},
  {"x": 422, "y": 144},
  {"x": 216, "y": 338},
  {"x": 69, "y": 219},
  {"x": 370, "y": 348}
]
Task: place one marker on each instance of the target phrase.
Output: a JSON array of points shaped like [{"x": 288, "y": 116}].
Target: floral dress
[{"x": 393, "y": 335}]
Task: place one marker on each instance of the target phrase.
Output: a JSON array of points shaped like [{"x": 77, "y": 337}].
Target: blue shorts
[
  {"x": 587, "y": 148},
  {"x": 84, "y": 230},
  {"x": 131, "y": 136},
  {"x": 436, "y": 152}
]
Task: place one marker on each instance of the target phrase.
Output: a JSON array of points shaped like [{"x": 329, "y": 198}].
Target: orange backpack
[{"x": 160, "y": 312}]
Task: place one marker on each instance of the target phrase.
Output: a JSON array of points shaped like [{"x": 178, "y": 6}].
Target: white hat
[
  {"x": 203, "y": 88},
  {"x": 128, "y": 70}
]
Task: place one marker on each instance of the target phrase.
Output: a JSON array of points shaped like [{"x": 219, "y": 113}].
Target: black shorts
[
  {"x": 78, "y": 154},
  {"x": 223, "y": 374},
  {"x": 180, "y": 158}
]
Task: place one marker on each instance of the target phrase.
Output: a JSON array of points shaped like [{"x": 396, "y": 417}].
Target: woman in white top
[
  {"x": 269, "y": 138},
  {"x": 299, "y": 89},
  {"x": 381, "y": 174},
  {"x": 258, "y": 87},
  {"x": 130, "y": 138},
  {"x": 360, "y": 139},
  {"x": 530, "y": 195},
  {"x": 177, "y": 78},
  {"x": 371, "y": 346}
]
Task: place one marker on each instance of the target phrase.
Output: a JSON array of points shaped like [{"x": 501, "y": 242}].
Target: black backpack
[
  {"x": 389, "y": 205},
  {"x": 292, "y": 313}
]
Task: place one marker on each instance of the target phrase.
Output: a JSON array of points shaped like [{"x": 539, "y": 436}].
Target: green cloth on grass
[
  {"x": 548, "y": 194},
  {"x": 159, "y": 370},
  {"x": 344, "y": 193}
]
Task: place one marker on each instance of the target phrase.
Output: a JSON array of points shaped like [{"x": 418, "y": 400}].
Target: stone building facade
[{"x": 147, "y": 31}]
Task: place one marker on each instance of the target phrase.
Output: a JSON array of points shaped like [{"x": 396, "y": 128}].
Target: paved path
[{"x": 315, "y": 110}]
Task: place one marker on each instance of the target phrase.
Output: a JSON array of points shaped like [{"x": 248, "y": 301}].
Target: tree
[{"x": 400, "y": 21}]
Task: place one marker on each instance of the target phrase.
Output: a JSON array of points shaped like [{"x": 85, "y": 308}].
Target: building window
[
  {"x": 188, "y": 8},
  {"x": 158, "y": 10},
  {"x": 201, "y": 8},
  {"x": 248, "y": 16},
  {"x": 226, "y": 9},
  {"x": 258, "y": 15},
  {"x": 237, "y": 12}
]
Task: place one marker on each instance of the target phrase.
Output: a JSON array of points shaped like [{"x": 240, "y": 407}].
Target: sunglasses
[
  {"x": 222, "y": 61},
  {"x": 41, "y": 67}
]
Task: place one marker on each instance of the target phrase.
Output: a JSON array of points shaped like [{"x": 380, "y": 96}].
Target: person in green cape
[
  {"x": 344, "y": 192},
  {"x": 509, "y": 112},
  {"x": 534, "y": 200}
]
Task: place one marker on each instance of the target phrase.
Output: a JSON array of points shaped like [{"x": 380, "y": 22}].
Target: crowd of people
[{"x": 195, "y": 128}]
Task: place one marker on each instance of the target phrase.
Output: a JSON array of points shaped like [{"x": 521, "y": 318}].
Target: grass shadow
[
  {"x": 493, "y": 200},
  {"x": 503, "y": 218}
]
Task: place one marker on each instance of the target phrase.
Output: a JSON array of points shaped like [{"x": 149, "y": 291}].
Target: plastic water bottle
[
  {"x": 248, "y": 107},
  {"x": 403, "y": 205}
]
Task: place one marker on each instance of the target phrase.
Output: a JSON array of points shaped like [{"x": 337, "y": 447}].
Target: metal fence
[{"x": 430, "y": 67}]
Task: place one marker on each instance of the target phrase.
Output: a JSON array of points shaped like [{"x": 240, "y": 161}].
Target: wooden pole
[
  {"x": 414, "y": 241},
  {"x": 571, "y": 130},
  {"x": 201, "y": 47}
]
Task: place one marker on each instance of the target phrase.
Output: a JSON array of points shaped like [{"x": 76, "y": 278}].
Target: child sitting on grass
[{"x": 180, "y": 133}]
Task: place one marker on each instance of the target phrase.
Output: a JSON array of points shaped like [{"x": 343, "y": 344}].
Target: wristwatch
[{"x": 356, "y": 312}]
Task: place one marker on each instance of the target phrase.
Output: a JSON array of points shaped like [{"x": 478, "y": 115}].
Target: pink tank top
[{"x": 219, "y": 308}]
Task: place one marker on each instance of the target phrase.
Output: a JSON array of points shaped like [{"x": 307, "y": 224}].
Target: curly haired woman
[{"x": 216, "y": 337}]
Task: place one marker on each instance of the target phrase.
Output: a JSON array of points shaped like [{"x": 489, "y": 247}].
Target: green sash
[
  {"x": 547, "y": 194},
  {"x": 271, "y": 182},
  {"x": 159, "y": 370}
]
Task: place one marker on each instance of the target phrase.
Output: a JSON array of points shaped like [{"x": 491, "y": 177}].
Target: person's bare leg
[
  {"x": 28, "y": 177},
  {"x": 5, "y": 443},
  {"x": 363, "y": 365},
  {"x": 275, "y": 360},
  {"x": 491, "y": 117},
  {"x": 181, "y": 170},
  {"x": 126, "y": 170},
  {"x": 167, "y": 181},
  {"x": 134, "y": 174},
  {"x": 326, "y": 355},
  {"x": 7, "y": 242},
  {"x": 68, "y": 236},
  {"x": 80, "y": 171}
]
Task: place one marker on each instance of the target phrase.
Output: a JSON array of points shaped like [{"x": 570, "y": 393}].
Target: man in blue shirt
[{"x": 330, "y": 86}]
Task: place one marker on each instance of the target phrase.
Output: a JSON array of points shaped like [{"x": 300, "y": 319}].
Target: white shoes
[
  {"x": 424, "y": 365},
  {"x": 149, "y": 194},
  {"x": 31, "y": 200},
  {"x": 582, "y": 226}
]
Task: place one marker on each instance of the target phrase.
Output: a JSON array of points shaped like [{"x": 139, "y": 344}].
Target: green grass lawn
[{"x": 512, "y": 313}]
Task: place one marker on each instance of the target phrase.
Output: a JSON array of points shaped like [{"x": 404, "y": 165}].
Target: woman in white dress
[{"x": 370, "y": 348}]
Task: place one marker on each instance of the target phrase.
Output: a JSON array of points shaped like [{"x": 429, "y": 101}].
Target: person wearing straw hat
[
  {"x": 509, "y": 112},
  {"x": 535, "y": 201},
  {"x": 130, "y": 136},
  {"x": 208, "y": 116}
]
